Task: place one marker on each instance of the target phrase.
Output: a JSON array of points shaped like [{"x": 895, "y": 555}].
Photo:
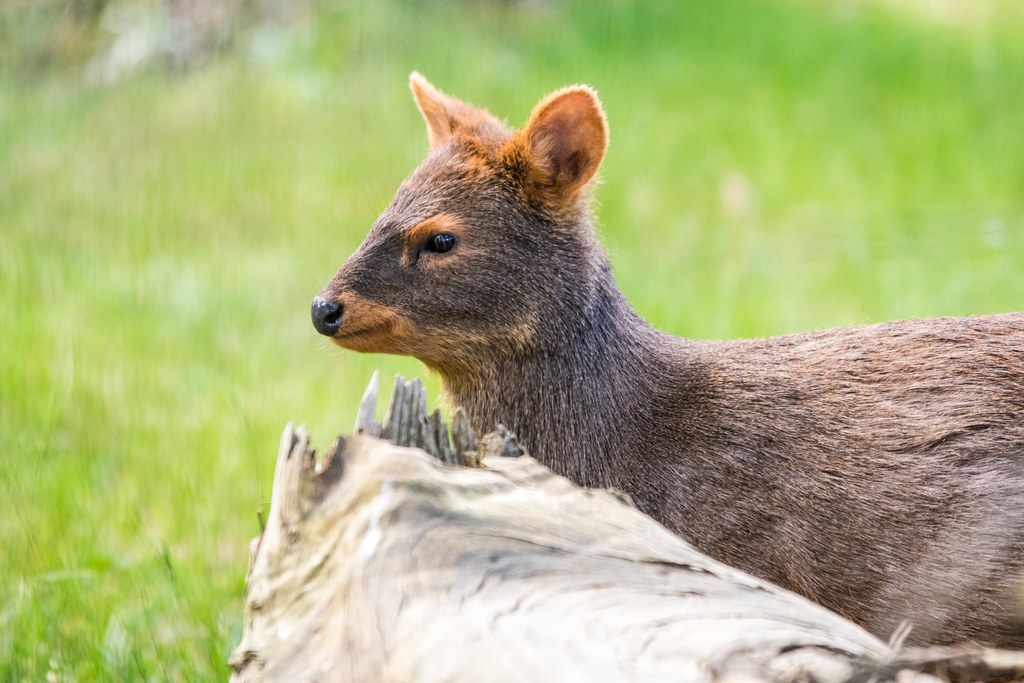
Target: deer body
[{"x": 876, "y": 470}]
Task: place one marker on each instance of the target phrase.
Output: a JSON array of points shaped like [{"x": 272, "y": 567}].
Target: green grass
[{"x": 160, "y": 241}]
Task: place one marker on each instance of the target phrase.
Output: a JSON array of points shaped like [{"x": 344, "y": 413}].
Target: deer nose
[{"x": 326, "y": 316}]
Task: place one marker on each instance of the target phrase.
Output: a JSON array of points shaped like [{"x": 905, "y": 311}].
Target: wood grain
[{"x": 389, "y": 563}]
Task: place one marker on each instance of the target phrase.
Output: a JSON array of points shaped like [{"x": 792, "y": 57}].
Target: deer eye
[{"x": 440, "y": 243}]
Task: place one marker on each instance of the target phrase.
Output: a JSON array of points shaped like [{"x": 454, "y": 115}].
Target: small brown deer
[{"x": 876, "y": 470}]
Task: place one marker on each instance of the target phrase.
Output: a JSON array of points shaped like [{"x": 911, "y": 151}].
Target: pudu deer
[{"x": 876, "y": 470}]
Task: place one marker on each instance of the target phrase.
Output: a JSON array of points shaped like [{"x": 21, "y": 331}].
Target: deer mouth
[
  {"x": 375, "y": 339},
  {"x": 370, "y": 328},
  {"x": 363, "y": 332}
]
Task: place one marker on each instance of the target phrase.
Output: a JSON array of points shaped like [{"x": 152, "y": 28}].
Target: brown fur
[
  {"x": 375, "y": 328},
  {"x": 877, "y": 470}
]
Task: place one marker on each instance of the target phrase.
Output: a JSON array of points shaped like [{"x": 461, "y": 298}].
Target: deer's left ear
[
  {"x": 566, "y": 139},
  {"x": 443, "y": 113}
]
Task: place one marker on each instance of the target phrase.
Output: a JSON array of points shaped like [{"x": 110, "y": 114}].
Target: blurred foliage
[
  {"x": 112, "y": 38},
  {"x": 775, "y": 166},
  {"x": 35, "y": 35}
]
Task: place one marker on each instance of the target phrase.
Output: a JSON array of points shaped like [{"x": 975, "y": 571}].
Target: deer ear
[
  {"x": 566, "y": 139},
  {"x": 443, "y": 113}
]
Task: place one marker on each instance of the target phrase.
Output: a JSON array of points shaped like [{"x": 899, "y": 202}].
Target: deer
[{"x": 877, "y": 470}]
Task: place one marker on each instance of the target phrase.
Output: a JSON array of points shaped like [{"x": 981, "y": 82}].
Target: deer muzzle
[{"x": 326, "y": 316}]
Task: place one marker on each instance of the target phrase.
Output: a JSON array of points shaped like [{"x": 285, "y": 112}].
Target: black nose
[{"x": 326, "y": 316}]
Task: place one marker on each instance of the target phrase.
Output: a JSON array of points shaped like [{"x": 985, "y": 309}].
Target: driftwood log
[{"x": 405, "y": 556}]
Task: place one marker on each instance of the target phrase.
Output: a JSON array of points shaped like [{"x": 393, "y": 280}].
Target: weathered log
[{"x": 385, "y": 563}]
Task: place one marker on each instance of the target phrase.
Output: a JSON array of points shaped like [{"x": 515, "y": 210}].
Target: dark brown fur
[{"x": 877, "y": 470}]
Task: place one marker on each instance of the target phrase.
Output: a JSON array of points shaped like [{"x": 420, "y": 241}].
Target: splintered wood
[{"x": 429, "y": 559}]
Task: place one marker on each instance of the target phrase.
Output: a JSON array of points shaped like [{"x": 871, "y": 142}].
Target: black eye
[{"x": 441, "y": 243}]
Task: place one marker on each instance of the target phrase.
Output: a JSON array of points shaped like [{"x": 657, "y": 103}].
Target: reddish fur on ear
[
  {"x": 566, "y": 139},
  {"x": 447, "y": 116},
  {"x": 440, "y": 111}
]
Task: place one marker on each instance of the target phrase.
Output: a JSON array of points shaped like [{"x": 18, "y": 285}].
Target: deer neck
[{"x": 569, "y": 394}]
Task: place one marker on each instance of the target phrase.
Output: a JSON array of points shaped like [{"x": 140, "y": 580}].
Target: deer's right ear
[
  {"x": 565, "y": 140},
  {"x": 443, "y": 113}
]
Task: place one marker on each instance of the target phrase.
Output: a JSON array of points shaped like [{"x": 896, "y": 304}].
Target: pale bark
[{"x": 388, "y": 563}]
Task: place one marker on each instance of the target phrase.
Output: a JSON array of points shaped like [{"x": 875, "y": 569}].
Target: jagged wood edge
[
  {"x": 408, "y": 423},
  {"x": 366, "y": 416}
]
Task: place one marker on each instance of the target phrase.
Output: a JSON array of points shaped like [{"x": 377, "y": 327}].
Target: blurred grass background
[{"x": 166, "y": 217}]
